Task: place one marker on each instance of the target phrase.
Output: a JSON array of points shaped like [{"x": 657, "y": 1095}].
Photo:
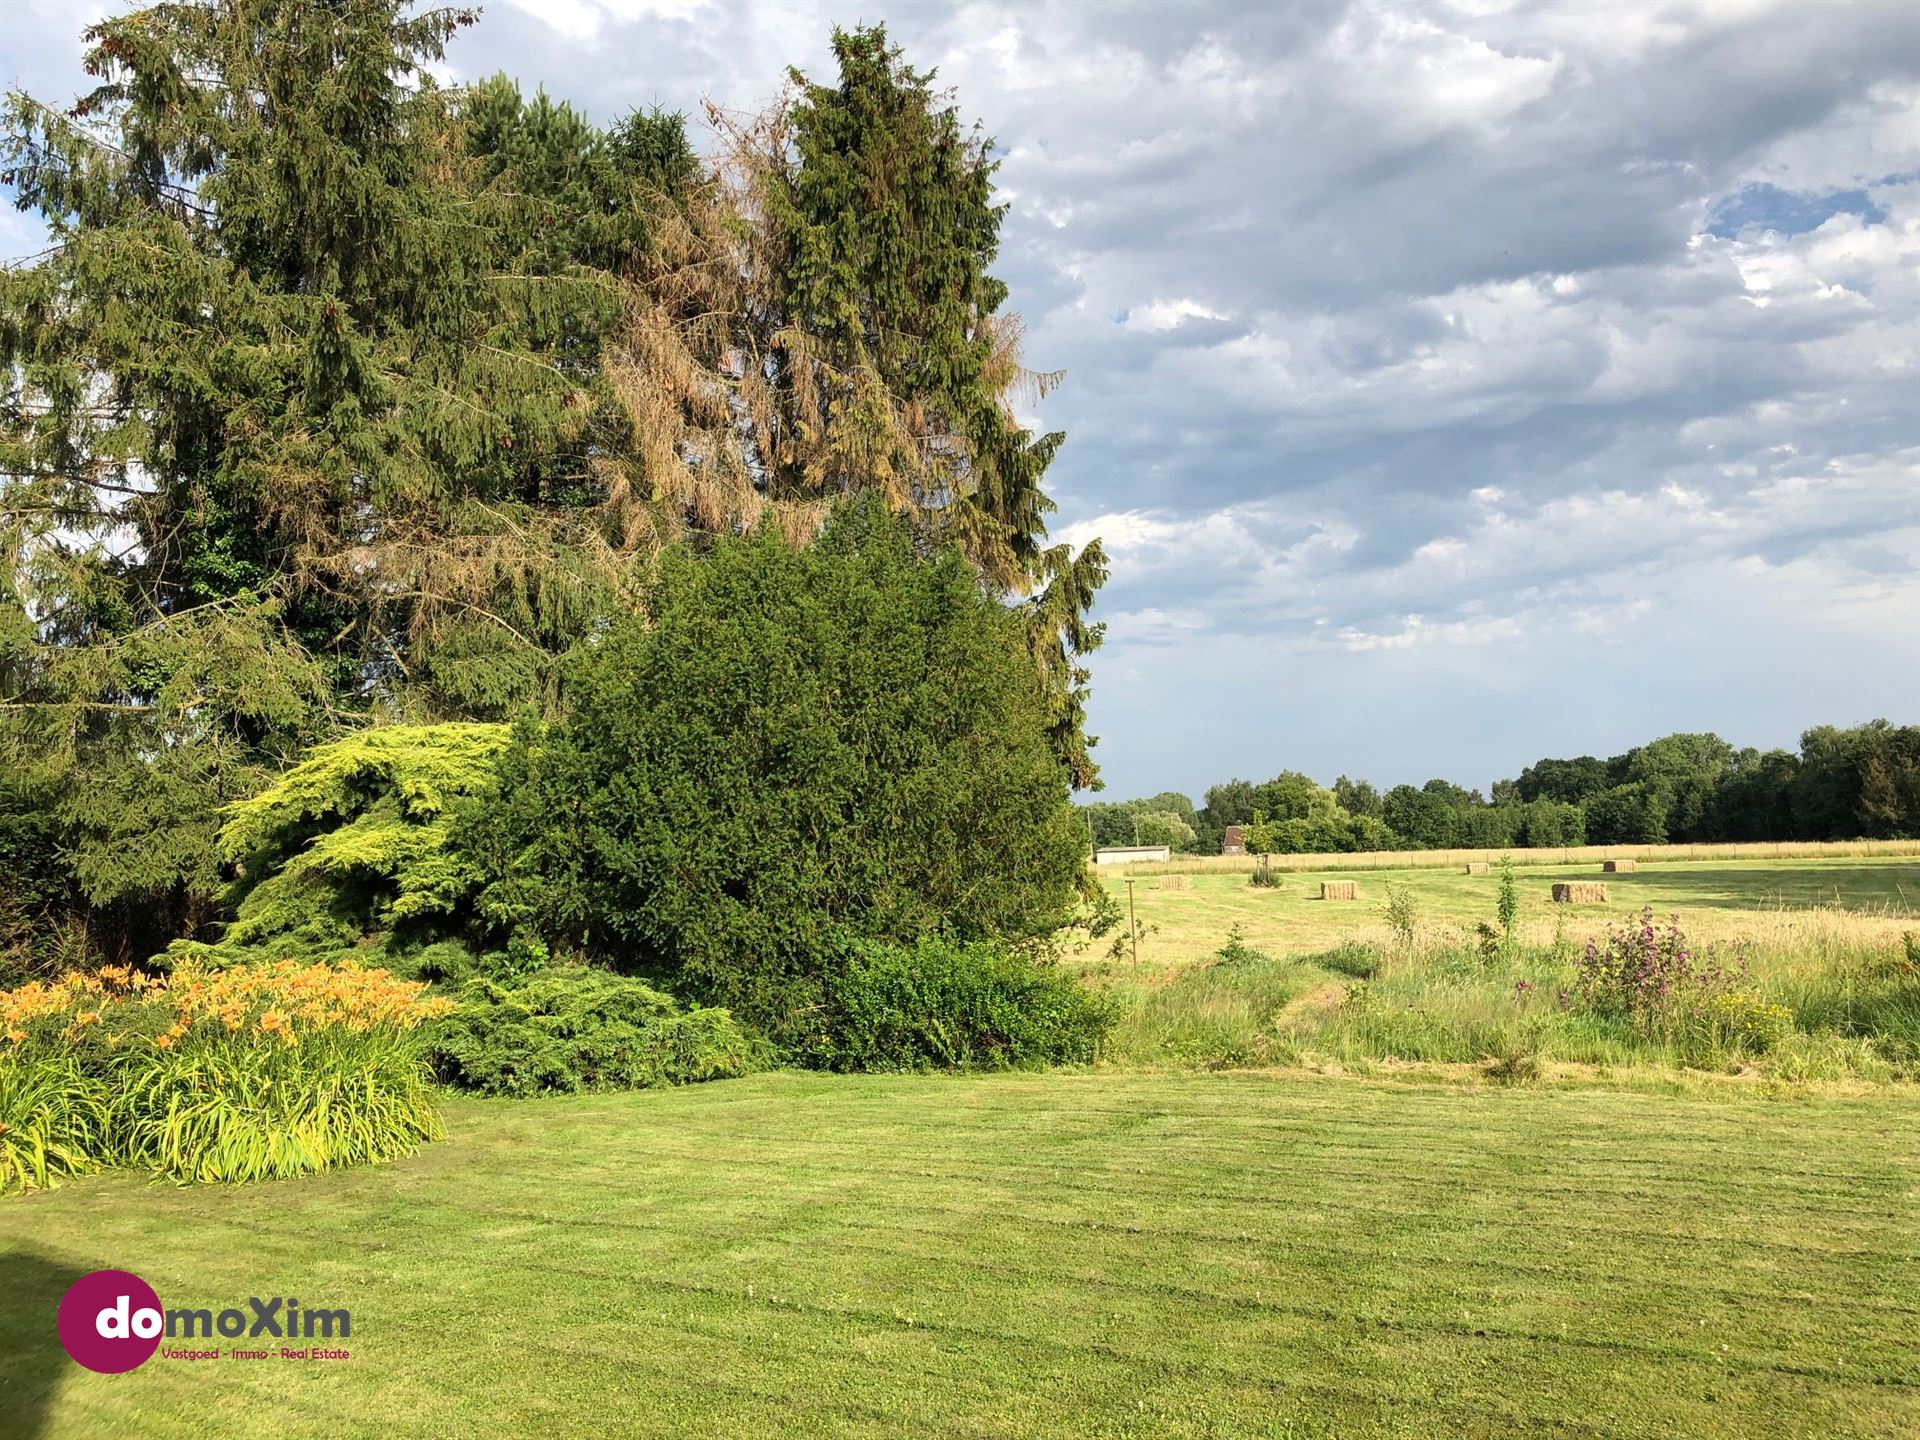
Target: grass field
[
  {"x": 1762, "y": 850},
  {"x": 1067, "y": 1255},
  {"x": 1185, "y": 913},
  {"x": 1317, "y": 982}
]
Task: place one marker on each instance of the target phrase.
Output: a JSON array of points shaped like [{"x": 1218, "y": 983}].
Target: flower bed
[{"x": 242, "y": 1074}]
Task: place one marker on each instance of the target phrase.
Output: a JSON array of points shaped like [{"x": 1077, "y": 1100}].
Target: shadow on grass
[
  {"x": 32, "y": 1360},
  {"x": 1853, "y": 887}
]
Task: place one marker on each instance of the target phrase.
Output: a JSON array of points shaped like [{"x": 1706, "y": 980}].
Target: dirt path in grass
[{"x": 1316, "y": 1004}]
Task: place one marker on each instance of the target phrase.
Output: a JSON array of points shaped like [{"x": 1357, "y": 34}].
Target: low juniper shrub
[{"x": 574, "y": 1028}]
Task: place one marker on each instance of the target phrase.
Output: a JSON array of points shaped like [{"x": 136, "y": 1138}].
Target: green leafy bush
[
  {"x": 1237, "y": 951},
  {"x": 579, "y": 1028},
  {"x": 797, "y": 745},
  {"x": 939, "y": 1003},
  {"x": 1100, "y": 914},
  {"x": 1508, "y": 905},
  {"x": 1403, "y": 915}
]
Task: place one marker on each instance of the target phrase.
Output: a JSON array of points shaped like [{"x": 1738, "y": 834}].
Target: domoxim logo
[{"x": 111, "y": 1321}]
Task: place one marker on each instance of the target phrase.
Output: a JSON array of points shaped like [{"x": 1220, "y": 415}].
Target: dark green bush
[
  {"x": 580, "y": 1028},
  {"x": 1356, "y": 961},
  {"x": 452, "y": 963},
  {"x": 938, "y": 1003},
  {"x": 798, "y": 745}
]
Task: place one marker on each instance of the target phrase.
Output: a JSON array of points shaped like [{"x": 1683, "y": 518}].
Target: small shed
[
  {"x": 1234, "y": 842},
  {"x": 1132, "y": 854}
]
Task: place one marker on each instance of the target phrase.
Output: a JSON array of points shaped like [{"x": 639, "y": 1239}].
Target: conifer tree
[
  {"x": 825, "y": 322},
  {"x": 337, "y": 395},
  {"x": 296, "y": 416}
]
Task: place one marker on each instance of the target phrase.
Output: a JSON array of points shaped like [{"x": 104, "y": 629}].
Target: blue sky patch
[{"x": 1760, "y": 206}]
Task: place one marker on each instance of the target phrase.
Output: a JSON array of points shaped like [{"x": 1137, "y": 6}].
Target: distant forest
[{"x": 1844, "y": 784}]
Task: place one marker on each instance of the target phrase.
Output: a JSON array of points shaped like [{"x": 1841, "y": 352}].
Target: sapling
[{"x": 1508, "y": 905}]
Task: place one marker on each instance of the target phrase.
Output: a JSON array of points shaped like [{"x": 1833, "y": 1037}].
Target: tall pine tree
[{"x": 824, "y": 322}]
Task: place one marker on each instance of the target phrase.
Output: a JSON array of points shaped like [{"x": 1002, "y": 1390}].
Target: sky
[{"x": 1450, "y": 383}]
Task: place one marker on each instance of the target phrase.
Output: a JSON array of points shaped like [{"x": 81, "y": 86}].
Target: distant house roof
[{"x": 1234, "y": 842}]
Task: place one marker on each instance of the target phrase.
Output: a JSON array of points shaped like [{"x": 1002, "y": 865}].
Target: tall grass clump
[
  {"x": 1858, "y": 990},
  {"x": 1216, "y": 1015},
  {"x": 53, "y": 1122},
  {"x": 255, "y": 1072},
  {"x": 233, "y": 1109}
]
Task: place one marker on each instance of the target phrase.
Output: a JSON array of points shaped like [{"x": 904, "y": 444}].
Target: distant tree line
[{"x": 1844, "y": 784}]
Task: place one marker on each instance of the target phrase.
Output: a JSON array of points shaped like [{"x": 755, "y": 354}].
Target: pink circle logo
[{"x": 111, "y": 1321}]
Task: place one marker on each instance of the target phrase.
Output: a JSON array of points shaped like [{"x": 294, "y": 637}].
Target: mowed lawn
[
  {"x": 1065, "y": 1255},
  {"x": 1185, "y": 917}
]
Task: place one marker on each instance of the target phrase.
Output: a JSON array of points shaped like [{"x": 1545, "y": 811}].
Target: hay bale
[
  {"x": 1580, "y": 892},
  {"x": 1479, "y": 867},
  {"x": 1339, "y": 890},
  {"x": 1620, "y": 867},
  {"x": 1175, "y": 882}
]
